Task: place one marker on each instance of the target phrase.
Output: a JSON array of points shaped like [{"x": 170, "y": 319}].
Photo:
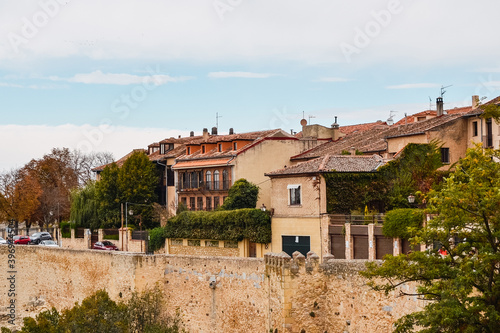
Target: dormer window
[
  {"x": 220, "y": 146},
  {"x": 203, "y": 149},
  {"x": 235, "y": 145},
  {"x": 162, "y": 149},
  {"x": 188, "y": 150}
]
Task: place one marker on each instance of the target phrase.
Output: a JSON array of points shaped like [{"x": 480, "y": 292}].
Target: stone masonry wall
[{"x": 212, "y": 294}]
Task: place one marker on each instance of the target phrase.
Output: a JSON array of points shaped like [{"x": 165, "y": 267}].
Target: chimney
[
  {"x": 231, "y": 131},
  {"x": 205, "y": 133},
  {"x": 335, "y": 130},
  {"x": 439, "y": 106},
  {"x": 191, "y": 133},
  {"x": 475, "y": 101},
  {"x": 214, "y": 130},
  {"x": 353, "y": 151}
]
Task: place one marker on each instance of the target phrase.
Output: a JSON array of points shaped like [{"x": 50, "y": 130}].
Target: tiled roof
[
  {"x": 255, "y": 137},
  {"x": 333, "y": 163},
  {"x": 361, "y": 127},
  {"x": 373, "y": 140},
  {"x": 479, "y": 110},
  {"x": 432, "y": 113}
]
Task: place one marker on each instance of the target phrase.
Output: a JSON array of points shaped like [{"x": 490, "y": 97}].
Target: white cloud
[
  {"x": 414, "y": 86},
  {"x": 332, "y": 79},
  {"x": 98, "y": 77},
  {"x": 31, "y": 86},
  {"x": 33, "y": 141},
  {"x": 246, "y": 75}
]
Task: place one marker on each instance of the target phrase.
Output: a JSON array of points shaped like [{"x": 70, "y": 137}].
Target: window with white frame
[{"x": 294, "y": 195}]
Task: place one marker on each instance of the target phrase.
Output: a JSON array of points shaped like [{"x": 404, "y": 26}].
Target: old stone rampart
[{"x": 212, "y": 294}]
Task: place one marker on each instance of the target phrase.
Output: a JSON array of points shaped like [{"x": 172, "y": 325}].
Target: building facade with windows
[{"x": 210, "y": 165}]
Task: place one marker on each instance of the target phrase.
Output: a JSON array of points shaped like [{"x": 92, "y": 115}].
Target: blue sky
[{"x": 117, "y": 75}]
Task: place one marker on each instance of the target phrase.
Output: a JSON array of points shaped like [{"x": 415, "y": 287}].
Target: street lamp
[
  {"x": 411, "y": 198},
  {"x": 127, "y": 212}
]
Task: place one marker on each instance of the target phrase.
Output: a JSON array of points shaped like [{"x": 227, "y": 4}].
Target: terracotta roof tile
[
  {"x": 333, "y": 163},
  {"x": 202, "y": 163}
]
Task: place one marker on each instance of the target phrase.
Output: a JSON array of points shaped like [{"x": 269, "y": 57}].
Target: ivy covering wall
[{"x": 233, "y": 225}]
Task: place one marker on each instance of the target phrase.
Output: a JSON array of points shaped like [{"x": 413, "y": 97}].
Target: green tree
[
  {"x": 85, "y": 206},
  {"x": 137, "y": 181},
  {"x": 243, "y": 194},
  {"x": 462, "y": 287},
  {"x": 108, "y": 196}
]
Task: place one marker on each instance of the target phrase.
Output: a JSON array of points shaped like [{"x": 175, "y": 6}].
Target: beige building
[{"x": 299, "y": 201}]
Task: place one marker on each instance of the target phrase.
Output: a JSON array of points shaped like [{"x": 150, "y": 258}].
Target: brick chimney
[
  {"x": 475, "y": 101},
  {"x": 191, "y": 134},
  {"x": 214, "y": 130},
  {"x": 231, "y": 131},
  {"x": 205, "y": 133},
  {"x": 439, "y": 106}
]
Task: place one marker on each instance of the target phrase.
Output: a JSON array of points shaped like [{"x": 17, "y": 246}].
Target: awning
[{"x": 202, "y": 163}]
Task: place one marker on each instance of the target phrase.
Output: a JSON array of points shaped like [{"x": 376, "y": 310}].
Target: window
[
  {"x": 445, "y": 155},
  {"x": 294, "y": 195},
  {"x": 162, "y": 149},
  {"x": 220, "y": 146},
  {"x": 474, "y": 129},
  {"x": 216, "y": 202},
  {"x": 208, "y": 180},
  {"x": 188, "y": 150},
  {"x": 489, "y": 133},
  {"x": 192, "y": 203},
  {"x": 199, "y": 203},
  {"x": 203, "y": 149},
  {"x": 225, "y": 180},
  {"x": 216, "y": 180},
  {"x": 235, "y": 145},
  {"x": 208, "y": 204},
  {"x": 184, "y": 201}
]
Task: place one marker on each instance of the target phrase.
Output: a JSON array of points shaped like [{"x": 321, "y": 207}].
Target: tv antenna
[
  {"x": 443, "y": 89},
  {"x": 390, "y": 120},
  {"x": 430, "y": 103},
  {"x": 217, "y": 119},
  {"x": 310, "y": 118}
]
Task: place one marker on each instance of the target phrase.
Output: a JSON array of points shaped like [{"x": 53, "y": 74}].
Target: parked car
[
  {"x": 50, "y": 243},
  {"x": 2, "y": 241},
  {"x": 105, "y": 245},
  {"x": 21, "y": 239},
  {"x": 37, "y": 237}
]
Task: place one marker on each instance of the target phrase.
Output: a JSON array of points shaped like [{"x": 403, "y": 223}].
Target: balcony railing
[{"x": 203, "y": 186}]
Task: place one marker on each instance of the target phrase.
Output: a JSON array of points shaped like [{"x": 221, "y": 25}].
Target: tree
[
  {"x": 85, "y": 207},
  {"x": 242, "y": 194},
  {"x": 462, "y": 287},
  {"x": 108, "y": 195},
  {"x": 137, "y": 181},
  {"x": 19, "y": 195}
]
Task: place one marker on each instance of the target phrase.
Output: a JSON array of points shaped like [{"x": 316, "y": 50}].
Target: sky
[{"x": 117, "y": 75}]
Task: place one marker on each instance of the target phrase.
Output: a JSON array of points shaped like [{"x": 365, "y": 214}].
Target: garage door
[
  {"x": 338, "y": 246},
  {"x": 383, "y": 246},
  {"x": 290, "y": 244},
  {"x": 360, "y": 247}
]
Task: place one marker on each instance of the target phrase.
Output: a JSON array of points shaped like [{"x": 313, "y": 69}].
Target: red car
[
  {"x": 21, "y": 239},
  {"x": 105, "y": 245}
]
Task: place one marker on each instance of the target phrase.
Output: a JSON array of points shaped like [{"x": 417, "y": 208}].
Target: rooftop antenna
[
  {"x": 443, "y": 89},
  {"x": 430, "y": 103},
  {"x": 217, "y": 119},
  {"x": 310, "y": 118},
  {"x": 390, "y": 120}
]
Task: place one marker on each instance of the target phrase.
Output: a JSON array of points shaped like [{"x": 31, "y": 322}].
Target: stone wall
[{"x": 212, "y": 294}]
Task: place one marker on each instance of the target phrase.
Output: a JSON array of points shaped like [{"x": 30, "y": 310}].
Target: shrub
[
  {"x": 156, "y": 239},
  {"x": 398, "y": 222},
  {"x": 232, "y": 225}
]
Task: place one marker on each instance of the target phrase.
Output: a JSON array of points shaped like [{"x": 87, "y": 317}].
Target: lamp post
[
  {"x": 126, "y": 216},
  {"x": 411, "y": 199}
]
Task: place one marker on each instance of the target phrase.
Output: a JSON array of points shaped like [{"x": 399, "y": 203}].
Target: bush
[
  {"x": 66, "y": 229},
  {"x": 156, "y": 239},
  {"x": 398, "y": 222},
  {"x": 242, "y": 194},
  {"x": 232, "y": 225}
]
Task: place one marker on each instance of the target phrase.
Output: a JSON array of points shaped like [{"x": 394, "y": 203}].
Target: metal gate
[
  {"x": 290, "y": 244},
  {"x": 94, "y": 238}
]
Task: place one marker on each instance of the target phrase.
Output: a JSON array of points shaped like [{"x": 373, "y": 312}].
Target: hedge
[
  {"x": 156, "y": 239},
  {"x": 233, "y": 225}
]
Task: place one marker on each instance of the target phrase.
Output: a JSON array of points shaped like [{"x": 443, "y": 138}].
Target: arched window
[
  {"x": 216, "y": 179},
  {"x": 208, "y": 180},
  {"x": 225, "y": 180}
]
